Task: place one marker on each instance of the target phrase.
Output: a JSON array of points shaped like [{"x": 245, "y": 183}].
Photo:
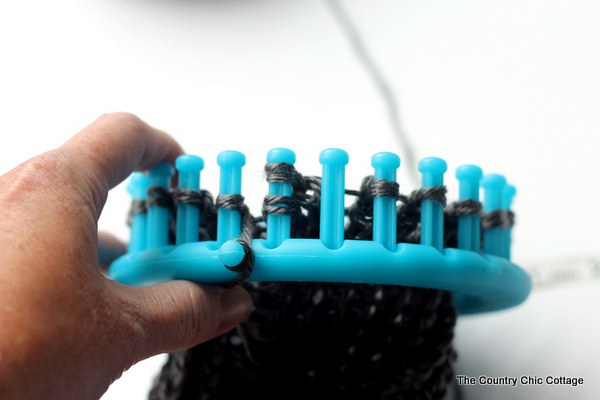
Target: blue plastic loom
[{"x": 480, "y": 274}]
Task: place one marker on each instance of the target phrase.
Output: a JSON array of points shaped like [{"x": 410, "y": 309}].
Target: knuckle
[
  {"x": 124, "y": 118},
  {"x": 37, "y": 170},
  {"x": 39, "y": 173}
]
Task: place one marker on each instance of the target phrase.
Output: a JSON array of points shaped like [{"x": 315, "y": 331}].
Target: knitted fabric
[{"x": 324, "y": 341}]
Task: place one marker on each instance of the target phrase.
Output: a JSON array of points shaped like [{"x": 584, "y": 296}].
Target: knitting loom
[{"x": 478, "y": 271}]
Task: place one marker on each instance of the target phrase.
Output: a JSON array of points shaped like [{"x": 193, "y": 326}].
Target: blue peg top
[
  {"x": 231, "y": 158},
  {"x": 493, "y": 181},
  {"x": 469, "y": 177},
  {"x": 385, "y": 160},
  {"x": 138, "y": 185},
  {"x": 333, "y": 157},
  {"x": 161, "y": 175},
  {"x": 281, "y": 155},
  {"x": 189, "y": 163},
  {"x": 507, "y": 196},
  {"x": 433, "y": 169},
  {"x": 163, "y": 170},
  {"x": 469, "y": 172},
  {"x": 493, "y": 184}
]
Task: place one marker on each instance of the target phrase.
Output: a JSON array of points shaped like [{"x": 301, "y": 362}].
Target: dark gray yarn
[
  {"x": 139, "y": 207},
  {"x": 280, "y": 172},
  {"x": 203, "y": 200},
  {"x": 280, "y": 205},
  {"x": 161, "y": 197},
  {"x": 464, "y": 208},
  {"x": 196, "y": 198},
  {"x": 303, "y": 204},
  {"x": 383, "y": 188},
  {"x": 244, "y": 268},
  {"x": 497, "y": 219},
  {"x": 323, "y": 341},
  {"x": 408, "y": 224},
  {"x": 454, "y": 211},
  {"x": 437, "y": 193}
]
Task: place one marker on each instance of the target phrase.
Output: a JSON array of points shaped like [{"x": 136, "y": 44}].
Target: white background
[{"x": 512, "y": 86}]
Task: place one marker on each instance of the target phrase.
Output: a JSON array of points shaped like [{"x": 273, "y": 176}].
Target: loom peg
[
  {"x": 469, "y": 226},
  {"x": 384, "y": 208},
  {"x": 278, "y": 226},
  {"x": 432, "y": 212},
  {"x": 158, "y": 217},
  {"x": 229, "y": 221},
  {"x": 493, "y": 185},
  {"x": 188, "y": 217},
  {"x": 332, "y": 197},
  {"x": 508, "y": 193}
]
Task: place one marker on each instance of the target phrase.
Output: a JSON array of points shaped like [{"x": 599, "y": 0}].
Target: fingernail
[{"x": 236, "y": 306}]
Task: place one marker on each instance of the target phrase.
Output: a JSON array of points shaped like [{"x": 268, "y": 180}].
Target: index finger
[{"x": 115, "y": 145}]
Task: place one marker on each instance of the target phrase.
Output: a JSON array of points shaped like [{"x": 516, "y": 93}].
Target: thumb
[{"x": 177, "y": 315}]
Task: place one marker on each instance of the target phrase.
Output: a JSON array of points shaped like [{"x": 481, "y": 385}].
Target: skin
[{"x": 66, "y": 331}]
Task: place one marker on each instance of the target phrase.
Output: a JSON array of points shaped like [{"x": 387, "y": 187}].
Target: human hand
[{"x": 66, "y": 331}]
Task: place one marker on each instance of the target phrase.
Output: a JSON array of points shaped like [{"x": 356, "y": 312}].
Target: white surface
[
  {"x": 512, "y": 86},
  {"x": 555, "y": 333}
]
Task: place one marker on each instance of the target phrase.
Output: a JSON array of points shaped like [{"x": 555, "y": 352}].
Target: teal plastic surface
[
  {"x": 482, "y": 281},
  {"x": 469, "y": 227},
  {"x": 188, "y": 217},
  {"x": 493, "y": 186},
  {"x": 432, "y": 212}
]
